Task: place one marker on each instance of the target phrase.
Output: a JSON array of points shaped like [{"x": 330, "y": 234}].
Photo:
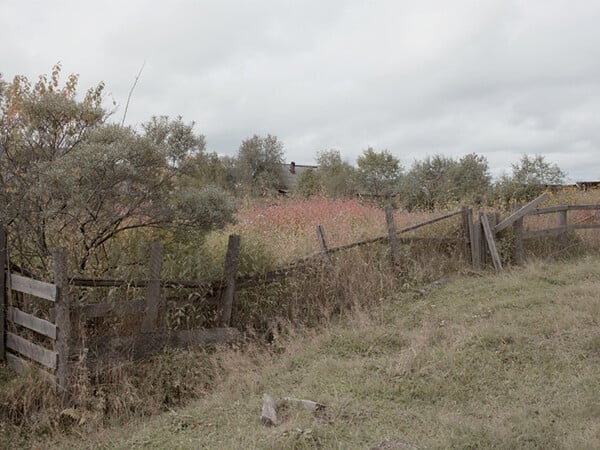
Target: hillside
[{"x": 508, "y": 361}]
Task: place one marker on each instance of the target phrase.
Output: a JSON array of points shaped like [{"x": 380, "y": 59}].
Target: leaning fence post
[
  {"x": 323, "y": 244},
  {"x": 394, "y": 246},
  {"x": 63, "y": 322},
  {"x": 3, "y": 273},
  {"x": 150, "y": 321},
  {"x": 231, "y": 263},
  {"x": 490, "y": 238}
]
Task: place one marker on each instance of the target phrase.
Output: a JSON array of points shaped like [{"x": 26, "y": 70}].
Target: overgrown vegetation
[{"x": 504, "y": 361}]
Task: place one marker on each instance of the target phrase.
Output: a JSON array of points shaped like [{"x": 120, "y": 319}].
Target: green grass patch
[{"x": 508, "y": 361}]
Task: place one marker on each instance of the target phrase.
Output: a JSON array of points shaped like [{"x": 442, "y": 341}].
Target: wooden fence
[{"x": 477, "y": 242}]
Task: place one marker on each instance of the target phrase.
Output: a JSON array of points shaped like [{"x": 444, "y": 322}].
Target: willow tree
[{"x": 68, "y": 178}]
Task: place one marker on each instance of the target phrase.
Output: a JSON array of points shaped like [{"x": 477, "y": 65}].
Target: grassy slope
[{"x": 509, "y": 361}]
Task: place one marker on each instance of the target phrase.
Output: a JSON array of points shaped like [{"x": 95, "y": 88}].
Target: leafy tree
[
  {"x": 176, "y": 137},
  {"x": 470, "y": 179},
  {"x": 530, "y": 177},
  {"x": 259, "y": 163},
  {"x": 308, "y": 183},
  {"x": 336, "y": 176},
  {"x": 378, "y": 173},
  {"x": 69, "y": 179},
  {"x": 426, "y": 185}
]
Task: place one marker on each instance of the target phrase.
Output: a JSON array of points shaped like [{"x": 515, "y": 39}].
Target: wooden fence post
[
  {"x": 231, "y": 264},
  {"x": 467, "y": 228},
  {"x": 150, "y": 321},
  {"x": 323, "y": 244},
  {"x": 476, "y": 245},
  {"x": 490, "y": 238},
  {"x": 518, "y": 232},
  {"x": 562, "y": 223},
  {"x": 3, "y": 272},
  {"x": 63, "y": 323},
  {"x": 393, "y": 239}
]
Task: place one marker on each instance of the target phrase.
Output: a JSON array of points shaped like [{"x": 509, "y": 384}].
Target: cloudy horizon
[{"x": 497, "y": 78}]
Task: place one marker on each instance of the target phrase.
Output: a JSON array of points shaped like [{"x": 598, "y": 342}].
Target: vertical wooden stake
[
  {"x": 231, "y": 264},
  {"x": 63, "y": 323},
  {"x": 562, "y": 223},
  {"x": 518, "y": 231},
  {"x": 150, "y": 322},
  {"x": 476, "y": 245},
  {"x": 467, "y": 228},
  {"x": 323, "y": 244},
  {"x": 394, "y": 246},
  {"x": 3, "y": 273}
]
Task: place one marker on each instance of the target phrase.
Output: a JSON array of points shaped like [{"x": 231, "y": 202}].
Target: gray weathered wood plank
[
  {"x": 63, "y": 323},
  {"x": 489, "y": 236},
  {"x": 476, "y": 245},
  {"x": 519, "y": 254},
  {"x": 546, "y": 232},
  {"x": 32, "y": 322},
  {"x": 40, "y": 289},
  {"x": 323, "y": 243},
  {"x": 393, "y": 238},
  {"x": 3, "y": 273},
  {"x": 33, "y": 351},
  {"x": 521, "y": 212},
  {"x": 231, "y": 264},
  {"x": 22, "y": 366}
]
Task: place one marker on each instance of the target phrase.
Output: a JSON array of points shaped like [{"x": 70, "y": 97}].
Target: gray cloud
[{"x": 500, "y": 78}]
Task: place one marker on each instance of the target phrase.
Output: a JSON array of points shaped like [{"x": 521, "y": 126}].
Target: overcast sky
[{"x": 496, "y": 77}]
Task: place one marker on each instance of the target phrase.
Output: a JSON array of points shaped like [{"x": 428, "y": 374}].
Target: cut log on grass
[
  {"x": 268, "y": 416},
  {"x": 434, "y": 285}
]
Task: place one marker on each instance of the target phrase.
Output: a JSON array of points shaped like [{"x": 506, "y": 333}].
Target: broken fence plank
[
  {"x": 521, "y": 212},
  {"x": 489, "y": 236}
]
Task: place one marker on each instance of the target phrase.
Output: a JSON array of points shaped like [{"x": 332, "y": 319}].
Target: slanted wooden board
[
  {"x": 323, "y": 244},
  {"x": 21, "y": 366},
  {"x": 33, "y": 287},
  {"x": 32, "y": 351},
  {"x": 521, "y": 212},
  {"x": 489, "y": 236},
  {"x": 32, "y": 322}
]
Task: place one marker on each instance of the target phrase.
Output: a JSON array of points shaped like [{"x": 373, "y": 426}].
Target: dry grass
[{"x": 507, "y": 361}]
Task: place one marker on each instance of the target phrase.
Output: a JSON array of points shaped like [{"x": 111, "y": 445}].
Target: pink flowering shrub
[{"x": 288, "y": 227}]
